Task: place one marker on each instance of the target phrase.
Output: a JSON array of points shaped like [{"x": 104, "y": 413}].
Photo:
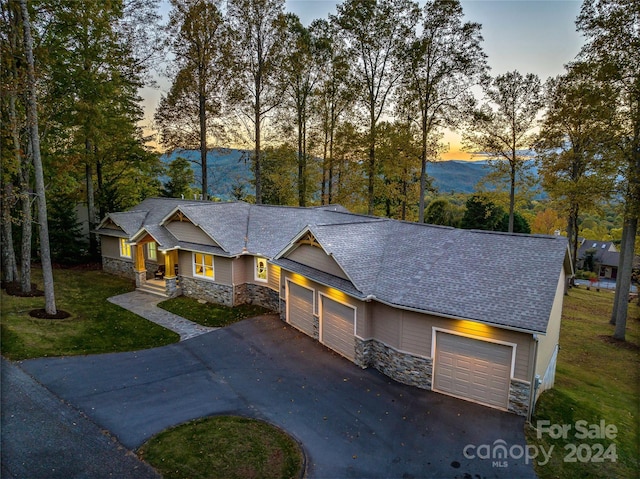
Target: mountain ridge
[{"x": 228, "y": 167}]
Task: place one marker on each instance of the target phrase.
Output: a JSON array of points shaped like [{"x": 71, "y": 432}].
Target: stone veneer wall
[
  {"x": 403, "y": 367},
  {"x": 118, "y": 267},
  {"x": 207, "y": 290},
  {"x": 519, "y": 395},
  {"x": 249, "y": 293}
]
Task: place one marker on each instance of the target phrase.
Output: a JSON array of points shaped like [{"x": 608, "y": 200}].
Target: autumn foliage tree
[{"x": 187, "y": 115}]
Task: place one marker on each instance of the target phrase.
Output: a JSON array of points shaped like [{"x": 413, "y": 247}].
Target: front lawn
[
  {"x": 597, "y": 380},
  {"x": 225, "y": 447},
  {"x": 209, "y": 314},
  {"x": 95, "y": 326}
]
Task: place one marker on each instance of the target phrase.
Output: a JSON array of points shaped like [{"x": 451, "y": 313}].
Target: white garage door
[
  {"x": 300, "y": 308},
  {"x": 337, "y": 325},
  {"x": 472, "y": 369}
]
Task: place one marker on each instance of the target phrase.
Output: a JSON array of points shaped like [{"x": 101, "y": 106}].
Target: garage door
[
  {"x": 472, "y": 369},
  {"x": 300, "y": 308},
  {"x": 337, "y": 325}
]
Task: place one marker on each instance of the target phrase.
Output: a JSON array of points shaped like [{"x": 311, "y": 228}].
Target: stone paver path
[{"x": 146, "y": 305}]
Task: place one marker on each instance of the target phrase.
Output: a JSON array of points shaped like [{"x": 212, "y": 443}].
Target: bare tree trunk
[
  {"x": 32, "y": 121},
  {"x": 512, "y": 191},
  {"x": 202, "y": 116},
  {"x": 91, "y": 205},
  {"x": 623, "y": 283},
  {"x": 423, "y": 167},
  {"x": 26, "y": 222},
  {"x": 331, "y": 139},
  {"x": 9, "y": 265}
]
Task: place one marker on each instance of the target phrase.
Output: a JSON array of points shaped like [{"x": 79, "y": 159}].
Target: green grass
[
  {"x": 595, "y": 380},
  {"x": 95, "y": 326},
  {"x": 209, "y": 314},
  {"x": 225, "y": 447}
]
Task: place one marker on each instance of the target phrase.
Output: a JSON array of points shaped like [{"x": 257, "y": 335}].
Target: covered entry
[
  {"x": 337, "y": 326},
  {"x": 472, "y": 369},
  {"x": 300, "y": 307}
]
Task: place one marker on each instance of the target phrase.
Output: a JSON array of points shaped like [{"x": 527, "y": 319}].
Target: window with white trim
[
  {"x": 203, "y": 265},
  {"x": 152, "y": 251},
  {"x": 260, "y": 269},
  {"x": 125, "y": 248}
]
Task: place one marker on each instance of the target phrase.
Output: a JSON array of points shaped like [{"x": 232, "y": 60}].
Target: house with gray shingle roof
[
  {"x": 472, "y": 314},
  {"x": 603, "y": 257}
]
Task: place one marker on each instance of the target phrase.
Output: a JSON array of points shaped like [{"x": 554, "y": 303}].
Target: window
[
  {"x": 125, "y": 248},
  {"x": 203, "y": 265},
  {"x": 261, "y": 269},
  {"x": 152, "y": 251}
]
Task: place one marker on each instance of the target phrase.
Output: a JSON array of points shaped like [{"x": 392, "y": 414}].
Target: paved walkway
[{"x": 146, "y": 305}]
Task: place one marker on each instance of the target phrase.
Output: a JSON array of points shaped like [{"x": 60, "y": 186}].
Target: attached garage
[
  {"x": 473, "y": 369},
  {"x": 300, "y": 307},
  {"x": 337, "y": 326}
]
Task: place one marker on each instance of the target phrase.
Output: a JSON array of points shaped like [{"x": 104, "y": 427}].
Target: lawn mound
[
  {"x": 42, "y": 314},
  {"x": 229, "y": 447}
]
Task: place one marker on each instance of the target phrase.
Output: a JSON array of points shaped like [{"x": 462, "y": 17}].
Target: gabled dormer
[
  {"x": 186, "y": 230},
  {"x": 306, "y": 250}
]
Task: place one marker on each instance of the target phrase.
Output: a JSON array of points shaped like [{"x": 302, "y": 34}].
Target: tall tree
[
  {"x": 34, "y": 136},
  {"x": 502, "y": 128},
  {"x": 333, "y": 97},
  {"x": 301, "y": 71},
  {"x": 397, "y": 152},
  {"x": 91, "y": 73},
  {"x": 16, "y": 166},
  {"x": 441, "y": 63},
  {"x": 574, "y": 145},
  {"x": 613, "y": 44},
  {"x": 257, "y": 33},
  {"x": 198, "y": 42},
  {"x": 375, "y": 31}
]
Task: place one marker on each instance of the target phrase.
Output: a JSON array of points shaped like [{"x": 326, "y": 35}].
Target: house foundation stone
[
  {"x": 519, "y": 395},
  {"x": 256, "y": 294},
  {"x": 118, "y": 267},
  {"x": 402, "y": 367},
  {"x": 171, "y": 287},
  {"x": 141, "y": 278},
  {"x": 207, "y": 291}
]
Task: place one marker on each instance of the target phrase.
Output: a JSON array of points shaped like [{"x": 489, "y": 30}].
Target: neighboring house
[
  {"x": 603, "y": 256},
  {"x": 472, "y": 314}
]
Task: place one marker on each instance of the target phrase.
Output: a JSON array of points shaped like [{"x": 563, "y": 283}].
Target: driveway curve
[{"x": 351, "y": 422}]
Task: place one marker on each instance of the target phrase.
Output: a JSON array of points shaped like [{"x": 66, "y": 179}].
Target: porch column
[
  {"x": 139, "y": 267},
  {"x": 169, "y": 271},
  {"x": 171, "y": 281}
]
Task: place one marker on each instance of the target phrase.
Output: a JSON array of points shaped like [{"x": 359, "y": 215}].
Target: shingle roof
[
  {"x": 508, "y": 280},
  {"x": 497, "y": 278}
]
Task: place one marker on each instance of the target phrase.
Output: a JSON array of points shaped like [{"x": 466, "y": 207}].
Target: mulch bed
[
  {"x": 618, "y": 343},
  {"x": 42, "y": 314},
  {"x": 14, "y": 289}
]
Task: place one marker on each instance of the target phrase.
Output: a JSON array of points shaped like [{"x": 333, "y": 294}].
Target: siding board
[
  {"x": 316, "y": 258},
  {"x": 190, "y": 233},
  {"x": 110, "y": 246}
]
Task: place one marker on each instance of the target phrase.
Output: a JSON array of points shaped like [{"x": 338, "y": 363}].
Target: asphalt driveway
[{"x": 351, "y": 422}]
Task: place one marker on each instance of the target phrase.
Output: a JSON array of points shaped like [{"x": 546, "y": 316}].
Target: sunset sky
[{"x": 529, "y": 36}]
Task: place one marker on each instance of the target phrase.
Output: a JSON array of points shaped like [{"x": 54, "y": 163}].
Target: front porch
[{"x": 161, "y": 281}]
